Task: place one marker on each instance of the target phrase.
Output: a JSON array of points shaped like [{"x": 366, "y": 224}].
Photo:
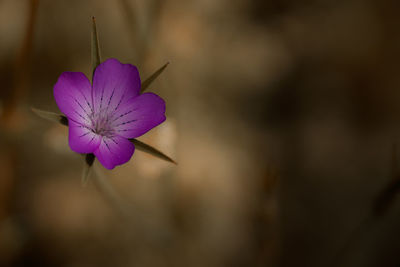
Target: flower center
[{"x": 101, "y": 123}]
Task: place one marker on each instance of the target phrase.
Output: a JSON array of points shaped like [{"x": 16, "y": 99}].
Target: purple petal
[
  {"x": 113, "y": 84},
  {"x": 114, "y": 151},
  {"x": 82, "y": 139},
  {"x": 139, "y": 115},
  {"x": 72, "y": 93}
]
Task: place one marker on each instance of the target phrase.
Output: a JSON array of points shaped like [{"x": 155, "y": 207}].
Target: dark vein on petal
[
  {"x": 122, "y": 115},
  {"x": 87, "y": 102},
  {"x": 109, "y": 101},
  {"x": 101, "y": 99},
  {"x": 79, "y": 124},
  {"x": 80, "y": 115},
  {"x": 126, "y": 122},
  {"x": 89, "y": 105},
  {"x": 92, "y": 139},
  {"x": 71, "y": 119},
  {"x": 114, "y": 141},
  {"x": 116, "y": 155},
  {"x": 84, "y": 110},
  {"x": 119, "y": 103},
  {"x": 86, "y": 127},
  {"x": 84, "y": 134},
  {"x": 107, "y": 146}
]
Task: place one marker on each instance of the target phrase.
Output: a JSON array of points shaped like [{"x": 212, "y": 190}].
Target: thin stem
[
  {"x": 102, "y": 184},
  {"x": 96, "y": 57}
]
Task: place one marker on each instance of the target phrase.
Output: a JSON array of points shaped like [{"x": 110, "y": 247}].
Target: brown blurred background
[{"x": 283, "y": 116}]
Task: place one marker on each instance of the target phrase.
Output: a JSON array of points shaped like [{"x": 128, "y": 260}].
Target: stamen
[{"x": 100, "y": 123}]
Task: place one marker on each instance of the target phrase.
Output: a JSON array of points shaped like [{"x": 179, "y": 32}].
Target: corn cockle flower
[{"x": 103, "y": 116}]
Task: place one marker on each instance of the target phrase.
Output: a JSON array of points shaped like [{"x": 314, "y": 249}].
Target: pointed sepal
[
  {"x": 96, "y": 58},
  {"x": 154, "y": 76},
  {"x": 151, "y": 150},
  {"x": 89, "y": 160},
  {"x": 51, "y": 116}
]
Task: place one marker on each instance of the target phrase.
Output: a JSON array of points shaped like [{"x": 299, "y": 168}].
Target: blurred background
[{"x": 283, "y": 116}]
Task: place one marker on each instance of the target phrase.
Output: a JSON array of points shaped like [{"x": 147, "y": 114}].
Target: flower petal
[
  {"x": 139, "y": 115},
  {"x": 113, "y": 84},
  {"x": 114, "y": 151},
  {"x": 72, "y": 93},
  {"x": 82, "y": 139}
]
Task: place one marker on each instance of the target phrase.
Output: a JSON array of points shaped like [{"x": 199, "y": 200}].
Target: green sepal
[
  {"x": 89, "y": 160},
  {"x": 96, "y": 58},
  {"x": 151, "y": 150},
  {"x": 51, "y": 116},
  {"x": 154, "y": 76}
]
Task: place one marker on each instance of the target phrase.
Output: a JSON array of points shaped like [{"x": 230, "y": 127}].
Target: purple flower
[{"x": 103, "y": 116}]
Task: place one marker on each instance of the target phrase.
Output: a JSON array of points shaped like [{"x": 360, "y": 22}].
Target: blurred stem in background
[
  {"x": 141, "y": 21},
  {"x": 10, "y": 119},
  {"x": 21, "y": 75},
  {"x": 12, "y": 125},
  {"x": 366, "y": 230}
]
